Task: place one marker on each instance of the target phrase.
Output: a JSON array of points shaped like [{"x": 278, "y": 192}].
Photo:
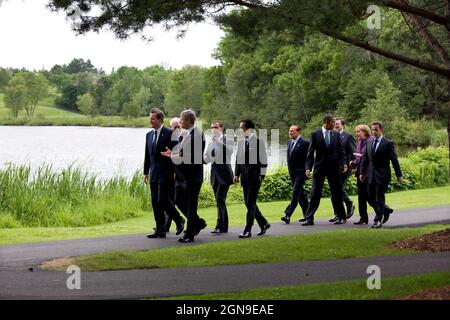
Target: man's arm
[
  {"x": 262, "y": 151},
  {"x": 146, "y": 160},
  {"x": 394, "y": 160},
  {"x": 351, "y": 148},
  {"x": 310, "y": 154}
]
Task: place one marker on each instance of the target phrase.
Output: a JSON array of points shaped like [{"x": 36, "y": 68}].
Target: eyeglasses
[{"x": 215, "y": 127}]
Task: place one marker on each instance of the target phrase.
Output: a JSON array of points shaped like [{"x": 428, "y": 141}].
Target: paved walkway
[
  {"x": 135, "y": 284},
  {"x": 23, "y": 256},
  {"x": 16, "y": 282}
]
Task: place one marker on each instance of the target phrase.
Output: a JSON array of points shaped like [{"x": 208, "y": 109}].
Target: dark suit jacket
[
  {"x": 322, "y": 157},
  {"x": 296, "y": 159},
  {"x": 221, "y": 166},
  {"x": 257, "y": 165},
  {"x": 190, "y": 166},
  {"x": 349, "y": 144},
  {"x": 159, "y": 168},
  {"x": 376, "y": 166}
]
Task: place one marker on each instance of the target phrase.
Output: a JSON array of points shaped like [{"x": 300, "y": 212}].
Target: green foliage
[
  {"x": 85, "y": 103},
  {"x": 24, "y": 91},
  {"x": 67, "y": 198}
]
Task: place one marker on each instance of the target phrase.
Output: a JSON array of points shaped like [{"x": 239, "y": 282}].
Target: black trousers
[
  {"x": 220, "y": 192},
  {"x": 172, "y": 198},
  {"x": 377, "y": 199},
  {"x": 334, "y": 181},
  {"x": 363, "y": 198},
  {"x": 161, "y": 203},
  {"x": 299, "y": 197},
  {"x": 251, "y": 183},
  {"x": 186, "y": 198}
]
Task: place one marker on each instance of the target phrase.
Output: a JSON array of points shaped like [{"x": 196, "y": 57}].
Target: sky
[{"x": 33, "y": 37}]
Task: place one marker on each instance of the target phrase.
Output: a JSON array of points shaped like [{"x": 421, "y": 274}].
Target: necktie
[
  {"x": 155, "y": 138},
  {"x": 291, "y": 145},
  {"x": 375, "y": 145},
  {"x": 327, "y": 138}
]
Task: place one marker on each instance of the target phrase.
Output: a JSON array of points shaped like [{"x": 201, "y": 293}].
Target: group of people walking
[{"x": 175, "y": 156}]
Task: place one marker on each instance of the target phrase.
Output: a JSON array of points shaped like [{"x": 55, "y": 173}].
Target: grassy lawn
[
  {"x": 47, "y": 114},
  {"x": 391, "y": 288},
  {"x": 299, "y": 247},
  {"x": 272, "y": 210}
]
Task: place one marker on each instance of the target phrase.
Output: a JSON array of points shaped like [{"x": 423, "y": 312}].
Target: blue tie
[{"x": 327, "y": 138}]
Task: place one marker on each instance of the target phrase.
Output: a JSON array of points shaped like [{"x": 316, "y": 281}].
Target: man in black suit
[
  {"x": 379, "y": 154},
  {"x": 251, "y": 167},
  {"x": 161, "y": 172},
  {"x": 174, "y": 124},
  {"x": 187, "y": 156},
  {"x": 349, "y": 144},
  {"x": 219, "y": 154},
  {"x": 297, "y": 149},
  {"x": 326, "y": 154}
]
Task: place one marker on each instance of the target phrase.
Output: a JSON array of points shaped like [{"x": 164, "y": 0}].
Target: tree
[
  {"x": 5, "y": 75},
  {"x": 15, "y": 98},
  {"x": 33, "y": 88},
  {"x": 429, "y": 22},
  {"x": 185, "y": 90},
  {"x": 86, "y": 104}
]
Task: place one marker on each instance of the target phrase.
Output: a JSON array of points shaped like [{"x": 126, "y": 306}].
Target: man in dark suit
[
  {"x": 161, "y": 172},
  {"x": 379, "y": 154},
  {"x": 297, "y": 149},
  {"x": 349, "y": 144},
  {"x": 218, "y": 154},
  {"x": 251, "y": 167},
  {"x": 174, "y": 124},
  {"x": 187, "y": 156},
  {"x": 326, "y": 154}
]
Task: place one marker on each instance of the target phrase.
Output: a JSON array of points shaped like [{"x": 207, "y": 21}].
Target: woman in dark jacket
[{"x": 363, "y": 135}]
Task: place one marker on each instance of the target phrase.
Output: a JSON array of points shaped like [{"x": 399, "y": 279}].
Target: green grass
[
  {"x": 47, "y": 114},
  {"x": 69, "y": 198},
  {"x": 272, "y": 210},
  {"x": 391, "y": 288},
  {"x": 315, "y": 246}
]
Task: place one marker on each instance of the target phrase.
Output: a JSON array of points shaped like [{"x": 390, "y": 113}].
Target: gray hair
[
  {"x": 175, "y": 119},
  {"x": 188, "y": 115}
]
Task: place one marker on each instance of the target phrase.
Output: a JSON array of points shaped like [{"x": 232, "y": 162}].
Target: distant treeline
[{"x": 270, "y": 77}]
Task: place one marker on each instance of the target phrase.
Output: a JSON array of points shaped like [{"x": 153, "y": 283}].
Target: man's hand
[
  {"x": 307, "y": 172},
  {"x": 236, "y": 179},
  {"x": 167, "y": 153},
  {"x": 400, "y": 180},
  {"x": 345, "y": 169},
  {"x": 146, "y": 179},
  {"x": 361, "y": 178}
]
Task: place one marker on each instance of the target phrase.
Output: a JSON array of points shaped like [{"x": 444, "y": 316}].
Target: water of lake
[{"x": 105, "y": 152}]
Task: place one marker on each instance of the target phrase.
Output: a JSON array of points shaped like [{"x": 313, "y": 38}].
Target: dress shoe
[
  {"x": 263, "y": 230},
  {"x": 216, "y": 231},
  {"x": 180, "y": 227},
  {"x": 302, "y": 220},
  {"x": 376, "y": 225},
  {"x": 156, "y": 235},
  {"x": 245, "y": 234},
  {"x": 361, "y": 222},
  {"x": 308, "y": 223},
  {"x": 386, "y": 215},
  {"x": 186, "y": 239},
  {"x": 333, "y": 219},
  {"x": 286, "y": 219},
  {"x": 200, "y": 226},
  {"x": 340, "y": 221},
  {"x": 351, "y": 211}
]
